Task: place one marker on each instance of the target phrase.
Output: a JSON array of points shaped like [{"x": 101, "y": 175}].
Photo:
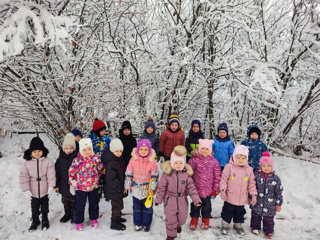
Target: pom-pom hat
[
  {"x": 98, "y": 126},
  {"x": 178, "y": 154},
  {"x": 266, "y": 158},
  {"x": 69, "y": 141}
]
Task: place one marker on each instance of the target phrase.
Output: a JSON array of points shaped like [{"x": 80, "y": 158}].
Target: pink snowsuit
[{"x": 172, "y": 191}]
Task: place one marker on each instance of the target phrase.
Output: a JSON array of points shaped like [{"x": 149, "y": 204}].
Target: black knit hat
[
  {"x": 35, "y": 144},
  {"x": 125, "y": 125}
]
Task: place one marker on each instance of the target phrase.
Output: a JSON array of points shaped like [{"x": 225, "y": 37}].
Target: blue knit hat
[
  {"x": 76, "y": 132},
  {"x": 223, "y": 126},
  {"x": 150, "y": 123},
  {"x": 196, "y": 122}
]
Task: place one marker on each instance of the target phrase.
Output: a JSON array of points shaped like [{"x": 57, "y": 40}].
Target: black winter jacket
[{"x": 129, "y": 143}]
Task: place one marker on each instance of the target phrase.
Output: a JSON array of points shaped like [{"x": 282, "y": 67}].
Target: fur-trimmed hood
[
  {"x": 167, "y": 169},
  {"x": 152, "y": 156}
]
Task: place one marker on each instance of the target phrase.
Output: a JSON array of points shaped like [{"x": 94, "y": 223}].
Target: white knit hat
[
  {"x": 85, "y": 142},
  {"x": 69, "y": 141},
  {"x": 116, "y": 145}
]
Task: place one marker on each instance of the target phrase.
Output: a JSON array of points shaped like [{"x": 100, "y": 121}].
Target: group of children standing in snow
[{"x": 198, "y": 167}]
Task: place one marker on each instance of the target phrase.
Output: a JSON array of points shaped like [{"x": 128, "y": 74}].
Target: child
[
  {"x": 171, "y": 137},
  {"x": 150, "y": 134},
  {"x": 269, "y": 197},
  {"x": 141, "y": 170},
  {"x": 175, "y": 182},
  {"x": 100, "y": 140},
  {"x": 84, "y": 174},
  {"x": 77, "y": 135},
  {"x": 114, "y": 178},
  {"x": 192, "y": 140},
  {"x": 206, "y": 178},
  {"x": 223, "y": 146},
  {"x": 63, "y": 163},
  {"x": 256, "y": 146},
  {"x": 37, "y": 179},
  {"x": 128, "y": 141},
  {"x": 236, "y": 182}
]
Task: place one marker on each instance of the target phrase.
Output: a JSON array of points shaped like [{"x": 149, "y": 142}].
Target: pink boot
[
  {"x": 94, "y": 223},
  {"x": 79, "y": 227}
]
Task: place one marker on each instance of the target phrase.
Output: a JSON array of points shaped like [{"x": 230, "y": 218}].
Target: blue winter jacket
[
  {"x": 256, "y": 148},
  {"x": 269, "y": 194},
  {"x": 99, "y": 143},
  {"x": 223, "y": 151}
]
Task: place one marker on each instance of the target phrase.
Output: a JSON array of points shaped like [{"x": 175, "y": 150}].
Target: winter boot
[
  {"x": 179, "y": 229},
  {"x": 72, "y": 217},
  {"x": 239, "y": 229},
  {"x": 137, "y": 227},
  {"x": 79, "y": 227},
  {"x": 205, "y": 223},
  {"x": 193, "y": 223},
  {"x": 117, "y": 225},
  {"x": 255, "y": 231},
  {"x": 35, "y": 223},
  {"x": 94, "y": 223},
  {"x": 66, "y": 217},
  {"x": 45, "y": 222},
  {"x": 225, "y": 227},
  {"x": 146, "y": 228},
  {"x": 170, "y": 238},
  {"x": 122, "y": 220},
  {"x": 269, "y": 235}
]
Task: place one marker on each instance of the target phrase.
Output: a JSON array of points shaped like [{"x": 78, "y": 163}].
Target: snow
[{"x": 299, "y": 218}]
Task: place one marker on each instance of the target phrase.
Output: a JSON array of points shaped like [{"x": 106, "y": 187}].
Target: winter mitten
[
  {"x": 214, "y": 194},
  {"x": 223, "y": 195},
  {"x": 254, "y": 200},
  {"x": 50, "y": 190},
  {"x": 74, "y": 183},
  {"x": 278, "y": 208},
  {"x": 28, "y": 194},
  {"x": 73, "y": 190},
  {"x": 194, "y": 152}
]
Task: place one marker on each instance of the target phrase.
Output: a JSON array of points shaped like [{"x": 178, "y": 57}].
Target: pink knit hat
[
  {"x": 144, "y": 143},
  {"x": 266, "y": 158},
  {"x": 205, "y": 143},
  {"x": 240, "y": 149},
  {"x": 178, "y": 154}
]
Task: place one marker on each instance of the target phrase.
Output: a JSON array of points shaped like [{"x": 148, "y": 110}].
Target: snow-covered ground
[{"x": 299, "y": 218}]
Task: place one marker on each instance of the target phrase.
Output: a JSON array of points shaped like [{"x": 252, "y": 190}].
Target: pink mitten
[{"x": 278, "y": 208}]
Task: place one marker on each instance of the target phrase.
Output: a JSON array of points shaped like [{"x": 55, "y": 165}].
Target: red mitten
[
  {"x": 214, "y": 194},
  {"x": 278, "y": 208}
]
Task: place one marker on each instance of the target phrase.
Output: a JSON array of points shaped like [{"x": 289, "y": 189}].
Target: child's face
[
  {"x": 143, "y": 151},
  {"x": 102, "y": 132},
  {"x": 36, "y": 154},
  {"x": 150, "y": 130},
  {"x": 266, "y": 168},
  {"x": 87, "y": 152},
  {"x": 178, "y": 165},
  {"x": 222, "y": 133},
  {"x": 126, "y": 131},
  {"x": 117, "y": 153},
  {"x": 68, "y": 149},
  {"x": 241, "y": 160},
  {"x": 77, "y": 138},
  {"x": 195, "y": 128},
  {"x": 204, "y": 152},
  {"x": 174, "y": 126},
  {"x": 254, "y": 135}
]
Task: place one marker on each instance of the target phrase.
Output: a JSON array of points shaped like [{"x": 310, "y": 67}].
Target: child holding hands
[
  {"x": 142, "y": 169},
  {"x": 236, "y": 182},
  {"x": 269, "y": 197},
  {"x": 84, "y": 174},
  {"x": 175, "y": 182}
]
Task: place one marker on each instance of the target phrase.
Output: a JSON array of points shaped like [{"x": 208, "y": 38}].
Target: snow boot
[
  {"x": 205, "y": 223},
  {"x": 269, "y": 235},
  {"x": 137, "y": 227},
  {"x": 193, "y": 223},
  {"x": 179, "y": 229},
  {"x": 122, "y": 220},
  {"x": 66, "y": 217},
  {"x": 255, "y": 231},
  {"x": 239, "y": 229},
  {"x": 35, "y": 223},
  {"x": 117, "y": 225},
  {"x": 146, "y": 228},
  {"x": 170, "y": 238},
  {"x": 79, "y": 227},
  {"x": 225, "y": 227},
  {"x": 94, "y": 223},
  {"x": 45, "y": 222}
]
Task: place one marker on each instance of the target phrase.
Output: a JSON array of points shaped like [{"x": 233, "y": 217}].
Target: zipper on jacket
[
  {"x": 38, "y": 179},
  {"x": 264, "y": 194},
  {"x": 177, "y": 189}
]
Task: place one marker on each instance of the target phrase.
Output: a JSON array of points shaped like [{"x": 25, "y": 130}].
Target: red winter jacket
[{"x": 169, "y": 140}]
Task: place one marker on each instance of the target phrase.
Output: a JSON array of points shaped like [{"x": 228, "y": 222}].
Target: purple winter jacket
[
  {"x": 207, "y": 174},
  {"x": 172, "y": 190},
  {"x": 42, "y": 169}
]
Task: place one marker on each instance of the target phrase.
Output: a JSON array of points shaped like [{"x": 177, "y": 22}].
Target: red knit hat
[{"x": 98, "y": 124}]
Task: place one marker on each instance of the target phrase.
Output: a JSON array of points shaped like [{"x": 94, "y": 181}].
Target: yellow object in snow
[{"x": 149, "y": 201}]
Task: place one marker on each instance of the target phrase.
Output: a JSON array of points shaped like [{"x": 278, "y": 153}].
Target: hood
[
  {"x": 27, "y": 154},
  {"x": 167, "y": 169},
  {"x": 152, "y": 156},
  {"x": 253, "y": 126}
]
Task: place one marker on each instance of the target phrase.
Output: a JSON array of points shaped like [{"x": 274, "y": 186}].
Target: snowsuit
[
  {"x": 192, "y": 142},
  {"x": 153, "y": 138},
  {"x": 206, "y": 178},
  {"x": 37, "y": 175},
  {"x": 62, "y": 166},
  {"x": 114, "y": 179},
  {"x": 237, "y": 182},
  {"x": 172, "y": 191},
  {"x": 223, "y": 149},
  {"x": 138, "y": 175},
  {"x": 256, "y": 148},
  {"x": 129, "y": 143},
  {"x": 269, "y": 196},
  {"x": 99, "y": 143},
  {"x": 86, "y": 172},
  {"x": 170, "y": 139}
]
